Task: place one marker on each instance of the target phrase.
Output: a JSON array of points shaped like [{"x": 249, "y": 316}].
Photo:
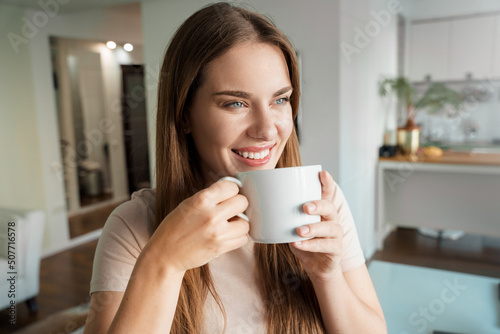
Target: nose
[{"x": 263, "y": 124}]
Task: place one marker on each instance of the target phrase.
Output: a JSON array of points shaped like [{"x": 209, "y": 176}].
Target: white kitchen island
[{"x": 457, "y": 191}]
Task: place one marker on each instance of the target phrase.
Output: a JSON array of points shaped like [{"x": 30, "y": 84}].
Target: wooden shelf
[
  {"x": 458, "y": 191},
  {"x": 453, "y": 158}
]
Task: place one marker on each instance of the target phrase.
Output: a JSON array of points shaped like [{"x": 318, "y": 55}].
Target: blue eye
[
  {"x": 282, "y": 100},
  {"x": 235, "y": 105}
]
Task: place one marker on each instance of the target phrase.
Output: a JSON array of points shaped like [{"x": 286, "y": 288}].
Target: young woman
[{"x": 177, "y": 259}]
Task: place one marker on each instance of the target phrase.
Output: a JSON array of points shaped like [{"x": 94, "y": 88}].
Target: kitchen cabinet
[
  {"x": 429, "y": 51},
  {"x": 451, "y": 49},
  {"x": 471, "y": 47}
]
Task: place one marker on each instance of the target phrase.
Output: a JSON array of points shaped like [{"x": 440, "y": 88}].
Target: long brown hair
[{"x": 290, "y": 302}]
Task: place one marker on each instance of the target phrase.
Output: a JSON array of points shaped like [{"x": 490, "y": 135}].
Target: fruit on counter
[{"x": 432, "y": 151}]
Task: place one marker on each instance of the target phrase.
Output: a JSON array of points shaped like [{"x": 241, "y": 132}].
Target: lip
[{"x": 255, "y": 162}]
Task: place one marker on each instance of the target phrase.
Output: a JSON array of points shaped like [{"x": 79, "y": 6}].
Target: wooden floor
[
  {"x": 64, "y": 282},
  {"x": 65, "y": 277}
]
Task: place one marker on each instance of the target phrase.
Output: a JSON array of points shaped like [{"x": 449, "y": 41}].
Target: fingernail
[
  {"x": 310, "y": 207},
  {"x": 304, "y": 230}
]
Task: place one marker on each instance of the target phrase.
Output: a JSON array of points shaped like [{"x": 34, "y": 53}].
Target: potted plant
[{"x": 436, "y": 97}]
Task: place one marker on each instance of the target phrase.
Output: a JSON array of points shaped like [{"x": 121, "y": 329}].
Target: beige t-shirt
[{"x": 127, "y": 231}]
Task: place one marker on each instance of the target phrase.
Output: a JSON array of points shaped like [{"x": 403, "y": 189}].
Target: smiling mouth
[{"x": 259, "y": 155}]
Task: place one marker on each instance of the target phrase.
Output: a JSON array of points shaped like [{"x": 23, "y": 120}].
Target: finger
[
  {"x": 236, "y": 228},
  {"x": 228, "y": 236},
  {"x": 234, "y": 244},
  {"x": 302, "y": 255},
  {"x": 232, "y": 206},
  {"x": 319, "y": 245},
  {"x": 324, "y": 208},
  {"x": 219, "y": 191},
  {"x": 324, "y": 229},
  {"x": 327, "y": 185}
]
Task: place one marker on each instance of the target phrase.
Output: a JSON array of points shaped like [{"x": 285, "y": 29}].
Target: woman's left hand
[{"x": 321, "y": 255}]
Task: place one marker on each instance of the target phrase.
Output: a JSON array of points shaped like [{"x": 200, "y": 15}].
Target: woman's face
[{"x": 241, "y": 116}]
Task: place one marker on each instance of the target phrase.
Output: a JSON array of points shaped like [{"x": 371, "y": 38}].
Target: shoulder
[
  {"x": 134, "y": 218},
  {"x": 124, "y": 236},
  {"x": 144, "y": 199}
]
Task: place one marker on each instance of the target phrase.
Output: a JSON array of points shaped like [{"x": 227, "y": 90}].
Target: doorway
[
  {"x": 135, "y": 130},
  {"x": 100, "y": 129}
]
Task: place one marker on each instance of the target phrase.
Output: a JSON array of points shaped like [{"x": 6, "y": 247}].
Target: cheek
[
  {"x": 221, "y": 139},
  {"x": 285, "y": 126},
  {"x": 213, "y": 135}
]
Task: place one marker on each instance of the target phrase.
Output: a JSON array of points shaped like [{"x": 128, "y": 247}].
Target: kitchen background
[{"x": 461, "y": 48}]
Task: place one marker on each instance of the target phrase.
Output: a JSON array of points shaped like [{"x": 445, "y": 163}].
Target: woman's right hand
[
  {"x": 199, "y": 229},
  {"x": 202, "y": 227}
]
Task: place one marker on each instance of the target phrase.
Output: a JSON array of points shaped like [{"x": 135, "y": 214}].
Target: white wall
[
  {"x": 362, "y": 113},
  {"x": 20, "y": 167},
  {"x": 313, "y": 29},
  {"x": 117, "y": 23},
  {"x": 430, "y": 9}
]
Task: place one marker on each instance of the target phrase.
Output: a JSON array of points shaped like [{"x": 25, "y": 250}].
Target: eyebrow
[{"x": 245, "y": 95}]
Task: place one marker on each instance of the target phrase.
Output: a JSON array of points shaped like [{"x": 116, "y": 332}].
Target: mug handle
[{"x": 238, "y": 182}]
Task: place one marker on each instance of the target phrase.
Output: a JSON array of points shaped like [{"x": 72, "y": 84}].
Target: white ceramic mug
[{"x": 276, "y": 198}]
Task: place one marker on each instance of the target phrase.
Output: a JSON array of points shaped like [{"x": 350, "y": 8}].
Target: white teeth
[{"x": 254, "y": 155}]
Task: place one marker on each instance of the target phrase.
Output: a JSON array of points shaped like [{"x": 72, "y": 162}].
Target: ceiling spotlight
[
  {"x": 111, "y": 45},
  {"x": 128, "y": 47}
]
